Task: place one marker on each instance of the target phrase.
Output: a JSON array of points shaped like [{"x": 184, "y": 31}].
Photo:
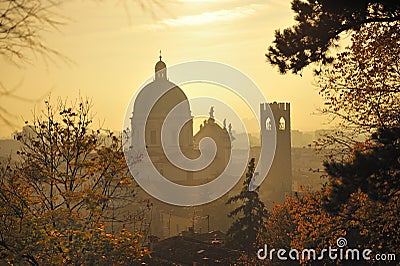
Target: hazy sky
[{"x": 114, "y": 48}]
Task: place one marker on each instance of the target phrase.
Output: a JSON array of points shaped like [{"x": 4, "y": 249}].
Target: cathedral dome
[
  {"x": 153, "y": 104},
  {"x": 168, "y": 94}
]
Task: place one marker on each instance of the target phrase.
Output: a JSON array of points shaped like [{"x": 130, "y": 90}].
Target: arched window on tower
[
  {"x": 282, "y": 123},
  {"x": 268, "y": 125}
]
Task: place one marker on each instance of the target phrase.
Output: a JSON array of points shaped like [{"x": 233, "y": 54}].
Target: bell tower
[{"x": 278, "y": 182}]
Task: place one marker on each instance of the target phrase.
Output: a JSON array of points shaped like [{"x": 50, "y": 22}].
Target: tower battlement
[
  {"x": 278, "y": 106},
  {"x": 283, "y": 106}
]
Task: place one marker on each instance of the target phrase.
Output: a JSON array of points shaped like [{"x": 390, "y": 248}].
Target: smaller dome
[{"x": 160, "y": 65}]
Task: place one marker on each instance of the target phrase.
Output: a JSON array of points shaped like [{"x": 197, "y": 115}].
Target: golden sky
[{"x": 114, "y": 48}]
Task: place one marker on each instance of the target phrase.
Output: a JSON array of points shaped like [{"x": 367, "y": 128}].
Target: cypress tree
[{"x": 250, "y": 216}]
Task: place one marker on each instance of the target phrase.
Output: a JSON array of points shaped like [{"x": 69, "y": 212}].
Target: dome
[
  {"x": 170, "y": 96},
  {"x": 153, "y": 104},
  {"x": 211, "y": 129},
  {"x": 160, "y": 69},
  {"x": 160, "y": 65}
]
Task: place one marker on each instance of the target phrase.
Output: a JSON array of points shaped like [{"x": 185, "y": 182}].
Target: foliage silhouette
[
  {"x": 374, "y": 169},
  {"x": 69, "y": 199},
  {"x": 251, "y": 215},
  {"x": 318, "y": 28}
]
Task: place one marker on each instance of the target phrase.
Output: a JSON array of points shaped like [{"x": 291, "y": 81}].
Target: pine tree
[
  {"x": 375, "y": 170},
  {"x": 319, "y": 26},
  {"x": 251, "y": 216}
]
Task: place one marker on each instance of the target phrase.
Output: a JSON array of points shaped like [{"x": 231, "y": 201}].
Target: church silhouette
[
  {"x": 171, "y": 103},
  {"x": 169, "y": 97}
]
